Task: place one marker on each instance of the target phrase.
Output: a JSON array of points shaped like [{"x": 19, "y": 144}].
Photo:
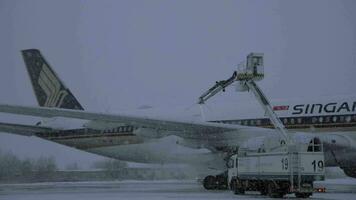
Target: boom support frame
[{"x": 246, "y": 80}]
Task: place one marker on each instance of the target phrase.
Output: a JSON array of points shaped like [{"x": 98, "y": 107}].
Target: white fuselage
[{"x": 330, "y": 116}]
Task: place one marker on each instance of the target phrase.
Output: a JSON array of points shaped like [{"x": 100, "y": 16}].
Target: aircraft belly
[{"x": 128, "y": 146}]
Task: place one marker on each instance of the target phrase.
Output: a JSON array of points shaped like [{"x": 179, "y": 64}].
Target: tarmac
[{"x": 157, "y": 190}]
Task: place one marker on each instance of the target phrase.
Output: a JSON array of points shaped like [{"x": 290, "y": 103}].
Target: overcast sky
[{"x": 117, "y": 55}]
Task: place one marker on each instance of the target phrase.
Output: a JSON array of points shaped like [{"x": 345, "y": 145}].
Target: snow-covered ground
[
  {"x": 137, "y": 190},
  {"x": 338, "y": 185}
]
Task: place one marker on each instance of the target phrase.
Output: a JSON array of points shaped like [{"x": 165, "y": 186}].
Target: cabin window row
[
  {"x": 296, "y": 120},
  {"x": 119, "y": 129}
]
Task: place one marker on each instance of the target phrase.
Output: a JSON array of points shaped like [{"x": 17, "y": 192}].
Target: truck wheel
[
  {"x": 221, "y": 182},
  {"x": 233, "y": 185},
  {"x": 303, "y": 195},
  {"x": 209, "y": 183},
  {"x": 239, "y": 191},
  {"x": 239, "y": 188},
  {"x": 242, "y": 191},
  {"x": 272, "y": 191},
  {"x": 264, "y": 188},
  {"x": 264, "y": 191}
]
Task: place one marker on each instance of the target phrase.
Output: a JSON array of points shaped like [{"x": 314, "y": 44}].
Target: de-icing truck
[
  {"x": 272, "y": 165},
  {"x": 268, "y": 166}
]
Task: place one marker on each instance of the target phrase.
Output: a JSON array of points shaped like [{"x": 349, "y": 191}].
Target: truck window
[{"x": 314, "y": 145}]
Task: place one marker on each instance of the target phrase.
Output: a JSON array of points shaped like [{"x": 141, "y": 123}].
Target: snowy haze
[{"x": 120, "y": 55}]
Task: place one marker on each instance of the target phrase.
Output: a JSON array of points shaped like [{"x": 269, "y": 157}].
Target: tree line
[{"x": 12, "y": 167}]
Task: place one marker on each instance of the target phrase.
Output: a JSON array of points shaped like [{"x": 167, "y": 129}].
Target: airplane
[{"x": 201, "y": 144}]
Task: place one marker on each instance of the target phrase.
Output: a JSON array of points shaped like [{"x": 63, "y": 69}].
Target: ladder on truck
[{"x": 245, "y": 79}]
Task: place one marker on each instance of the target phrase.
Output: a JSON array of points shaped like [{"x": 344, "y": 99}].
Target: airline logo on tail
[
  {"x": 52, "y": 87},
  {"x": 50, "y": 91}
]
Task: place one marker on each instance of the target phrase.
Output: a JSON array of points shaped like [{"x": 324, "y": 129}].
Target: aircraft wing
[
  {"x": 185, "y": 128},
  {"x": 26, "y": 130}
]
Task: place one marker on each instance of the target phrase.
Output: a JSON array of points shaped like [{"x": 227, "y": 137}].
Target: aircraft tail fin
[{"x": 48, "y": 88}]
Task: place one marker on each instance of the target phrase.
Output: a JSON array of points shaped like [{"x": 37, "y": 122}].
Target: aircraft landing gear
[
  {"x": 218, "y": 182},
  {"x": 209, "y": 183}
]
